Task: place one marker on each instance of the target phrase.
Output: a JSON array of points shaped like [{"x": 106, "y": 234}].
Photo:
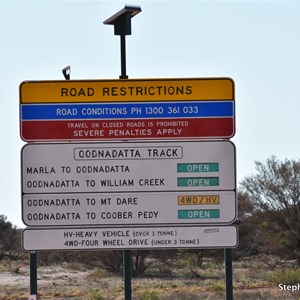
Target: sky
[{"x": 256, "y": 43}]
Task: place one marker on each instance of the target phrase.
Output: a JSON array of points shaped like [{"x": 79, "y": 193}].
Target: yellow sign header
[{"x": 127, "y": 90}]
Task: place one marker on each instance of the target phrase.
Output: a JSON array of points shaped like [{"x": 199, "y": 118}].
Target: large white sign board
[
  {"x": 128, "y": 183},
  {"x": 131, "y": 208},
  {"x": 128, "y": 167},
  {"x": 130, "y": 238}
]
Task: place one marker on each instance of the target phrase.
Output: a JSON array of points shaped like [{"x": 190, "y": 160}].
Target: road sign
[
  {"x": 128, "y": 167},
  {"x": 108, "y": 209},
  {"x": 127, "y": 109},
  {"x": 107, "y": 184},
  {"x": 83, "y": 238},
  {"x": 62, "y": 91}
]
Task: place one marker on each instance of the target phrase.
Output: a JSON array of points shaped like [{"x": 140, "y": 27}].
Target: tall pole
[
  {"x": 228, "y": 273},
  {"x": 33, "y": 273},
  {"x": 126, "y": 253},
  {"x": 122, "y": 27},
  {"x": 123, "y": 57}
]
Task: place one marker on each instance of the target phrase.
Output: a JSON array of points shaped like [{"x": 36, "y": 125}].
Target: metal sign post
[
  {"x": 122, "y": 27},
  {"x": 33, "y": 273},
  {"x": 228, "y": 273}
]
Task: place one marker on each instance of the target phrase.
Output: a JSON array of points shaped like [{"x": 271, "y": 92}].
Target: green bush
[
  {"x": 148, "y": 295},
  {"x": 217, "y": 286},
  {"x": 288, "y": 276},
  {"x": 95, "y": 295}
]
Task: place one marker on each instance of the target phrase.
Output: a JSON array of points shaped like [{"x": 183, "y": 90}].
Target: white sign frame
[
  {"x": 129, "y": 209},
  {"x": 64, "y": 167},
  {"x": 43, "y": 239}
]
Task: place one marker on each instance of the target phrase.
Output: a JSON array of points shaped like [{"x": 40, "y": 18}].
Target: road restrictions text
[{"x": 117, "y": 110}]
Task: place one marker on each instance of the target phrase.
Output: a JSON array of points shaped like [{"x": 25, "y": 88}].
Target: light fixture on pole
[
  {"x": 122, "y": 27},
  {"x": 66, "y": 72}
]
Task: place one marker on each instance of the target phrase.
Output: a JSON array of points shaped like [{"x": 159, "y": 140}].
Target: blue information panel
[{"x": 127, "y": 110}]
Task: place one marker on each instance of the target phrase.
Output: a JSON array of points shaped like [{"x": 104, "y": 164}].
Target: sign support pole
[
  {"x": 126, "y": 253},
  {"x": 122, "y": 27},
  {"x": 33, "y": 273},
  {"x": 123, "y": 57},
  {"x": 228, "y": 273}
]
